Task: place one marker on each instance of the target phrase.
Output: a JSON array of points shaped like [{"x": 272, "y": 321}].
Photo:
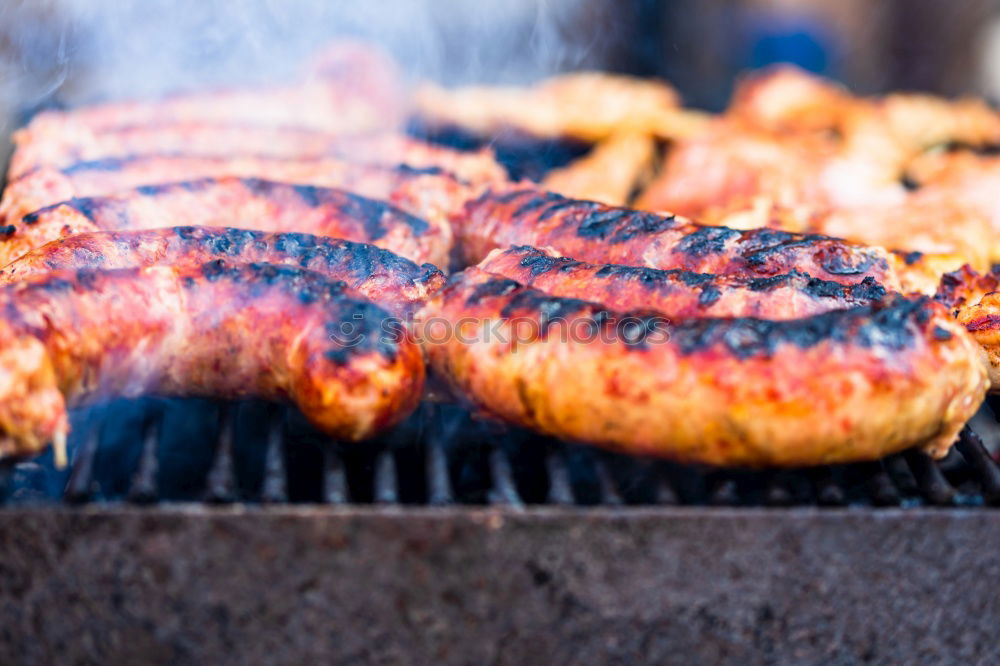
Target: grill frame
[{"x": 497, "y": 584}]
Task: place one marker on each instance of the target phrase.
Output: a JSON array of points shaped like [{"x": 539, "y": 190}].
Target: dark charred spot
[
  {"x": 617, "y": 225},
  {"x": 769, "y": 283},
  {"x": 360, "y": 328},
  {"x": 8, "y": 230},
  {"x": 548, "y": 308},
  {"x": 941, "y": 334},
  {"x": 709, "y": 295},
  {"x": 540, "y": 263},
  {"x": 868, "y": 290},
  {"x": 692, "y": 279},
  {"x": 908, "y": 183},
  {"x": 87, "y": 279},
  {"x": 491, "y": 288},
  {"x": 107, "y": 164},
  {"x": 707, "y": 240},
  {"x": 372, "y": 213},
  {"x": 213, "y": 270},
  {"x": 568, "y": 207},
  {"x": 843, "y": 260},
  {"x": 887, "y": 325},
  {"x": 419, "y": 171},
  {"x": 911, "y": 258},
  {"x": 159, "y": 189},
  {"x": 539, "y": 200},
  {"x": 309, "y": 194},
  {"x": 87, "y": 206}
]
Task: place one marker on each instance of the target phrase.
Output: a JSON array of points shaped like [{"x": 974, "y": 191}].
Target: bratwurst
[
  {"x": 847, "y": 385},
  {"x": 390, "y": 281},
  {"x": 218, "y": 330}
]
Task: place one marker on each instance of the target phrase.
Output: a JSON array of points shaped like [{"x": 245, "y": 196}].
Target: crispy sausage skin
[
  {"x": 218, "y": 330},
  {"x": 390, "y": 281},
  {"x": 60, "y": 145},
  {"x": 594, "y": 232},
  {"x": 428, "y": 192},
  {"x": 847, "y": 385},
  {"x": 679, "y": 293},
  {"x": 248, "y": 203}
]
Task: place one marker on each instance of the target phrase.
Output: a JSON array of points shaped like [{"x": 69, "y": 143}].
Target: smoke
[{"x": 79, "y": 51}]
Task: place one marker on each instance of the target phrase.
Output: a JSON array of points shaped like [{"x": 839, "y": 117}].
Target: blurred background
[{"x": 75, "y": 51}]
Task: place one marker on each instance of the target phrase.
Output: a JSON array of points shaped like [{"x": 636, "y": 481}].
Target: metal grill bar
[
  {"x": 971, "y": 447},
  {"x": 386, "y": 491},
  {"x": 334, "y": 479},
  {"x": 504, "y": 490},
  {"x": 143, "y": 489},
  {"x": 80, "y": 485},
  {"x": 560, "y": 491},
  {"x": 934, "y": 487},
  {"x": 274, "y": 487},
  {"x": 221, "y": 480},
  {"x": 439, "y": 490}
]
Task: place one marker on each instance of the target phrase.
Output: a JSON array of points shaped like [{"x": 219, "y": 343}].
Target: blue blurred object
[{"x": 798, "y": 40}]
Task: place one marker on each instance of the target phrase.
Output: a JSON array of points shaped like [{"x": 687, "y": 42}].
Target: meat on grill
[
  {"x": 219, "y": 330},
  {"x": 847, "y": 385},
  {"x": 594, "y": 232},
  {"x": 679, "y": 293},
  {"x": 390, "y": 281},
  {"x": 247, "y": 203},
  {"x": 68, "y": 143},
  {"x": 429, "y": 193}
]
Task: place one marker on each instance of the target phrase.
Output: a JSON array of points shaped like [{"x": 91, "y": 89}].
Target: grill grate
[{"x": 150, "y": 451}]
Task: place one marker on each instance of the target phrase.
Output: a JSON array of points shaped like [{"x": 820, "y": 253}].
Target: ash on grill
[{"x": 158, "y": 450}]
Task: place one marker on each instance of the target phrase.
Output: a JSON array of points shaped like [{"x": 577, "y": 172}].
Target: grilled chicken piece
[
  {"x": 982, "y": 320},
  {"x": 679, "y": 293},
  {"x": 609, "y": 173},
  {"x": 847, "y": 385},
  {"x": 584, "y": 105},
  {"x": 219, "y": 330},
  {"x": 789, "y": 100},
  {"x": 593, "y": 232},
  {"x": 388, "y": 280},
  {"x": 246, "y": 203},
  {"x": 429, "y": 193},
  {"x": 742, "y": 177}
]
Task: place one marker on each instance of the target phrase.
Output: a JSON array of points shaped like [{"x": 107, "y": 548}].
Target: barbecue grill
[{"x": 233, "y": 533}]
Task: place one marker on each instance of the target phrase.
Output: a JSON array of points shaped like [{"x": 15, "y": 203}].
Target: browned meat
[
  {"x": 593, "y": 232},
  {"x": 679, "y": 293},
  {"x": 247, "y": 203},
  {"x": 218, "y": 330},
  {"x": 428, "y": 193},
  {"x": 387, "y": 279},
  {"x": 847, "y": 385}
]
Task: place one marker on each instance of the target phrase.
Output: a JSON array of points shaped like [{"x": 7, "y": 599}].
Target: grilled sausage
[
  {"x": 679, "y": 293},
  {"x": 387, "y": 279},
  {"x": 428, "y": 193},
  {"x": 594, "y": 232},
  {"x": 237, "y": 202},
  {"x": 218, "y": 330},
  {"x": 67, "y": 142},
  {"x": 846, "y": 385}
]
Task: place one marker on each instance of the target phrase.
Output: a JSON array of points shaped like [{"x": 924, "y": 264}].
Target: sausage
[
  {"x": 428, "y": 192},
  {"x": 679, "y": 293},
  {"x": 219, "y": 330},
  {"x": 62, "y": 143},
  {"x": 248, "y": 203},
  {"x": 387, "y": 279},
  {"x": 847, "y": 385},
  {"x": 593, "y": 232}
]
